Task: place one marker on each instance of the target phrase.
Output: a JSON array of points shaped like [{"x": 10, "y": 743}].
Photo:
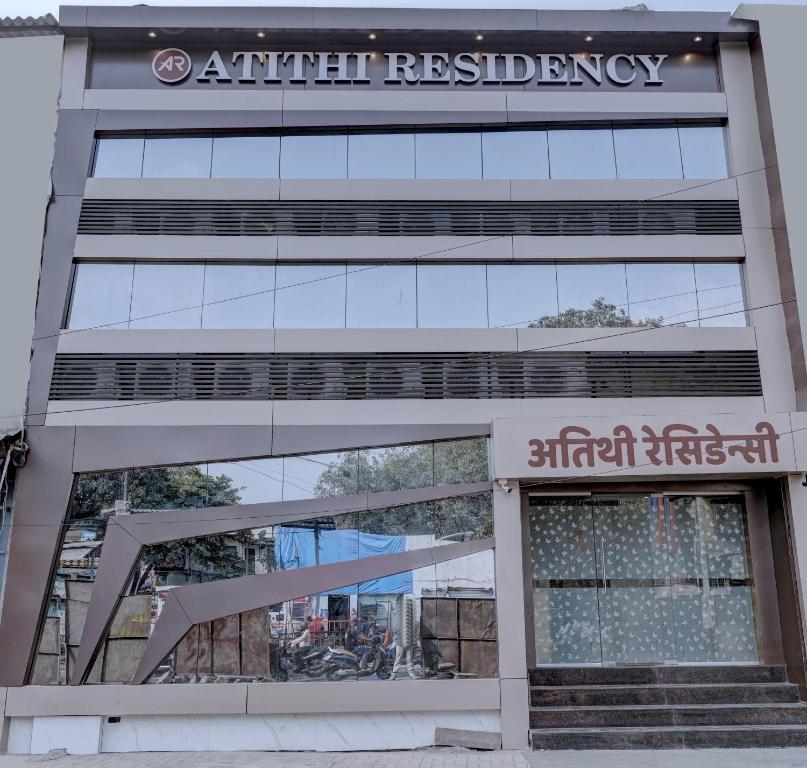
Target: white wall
[{"x": 29, "y": 90}]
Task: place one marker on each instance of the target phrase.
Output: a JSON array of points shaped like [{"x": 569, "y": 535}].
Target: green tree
[{"x": 600, "y": 314}]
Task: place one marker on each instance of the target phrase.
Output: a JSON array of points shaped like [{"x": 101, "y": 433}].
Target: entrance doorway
[{"x": 641, "y": 579}]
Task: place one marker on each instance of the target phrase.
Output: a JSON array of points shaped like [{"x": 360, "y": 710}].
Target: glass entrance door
[{"x": 641, "y": 580}]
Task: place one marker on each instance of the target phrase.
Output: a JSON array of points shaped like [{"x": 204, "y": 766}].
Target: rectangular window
[
  {"x": 381, "y": 156},
  {"x": 592, "y": 295},
  {"x": 238, "y": 296},
  {"x": 703, "y": 151},
  {"x": 167, "y": 296},
  {"x": 448, "y": 155},
  {"x": 720, "y": 295},
  {"x": 452, "y": 296},
  {"x": 520, "y": 295},
  {"x": 515, "y": 155},
  {"x": 177, "y": 158},
  {"x": 582, "y": 154},
  {"x": 313, "y": 157},
  {"x": 381, "y": 296},
  {"x": 101, "y": 296},
  {"x": 246, "y": 157},
  {"x": 310, "y": 296},
  {"x": 119, "y": 158},
  {"x": 663, "y": 294},
  {"x": 647, "y": 153}
]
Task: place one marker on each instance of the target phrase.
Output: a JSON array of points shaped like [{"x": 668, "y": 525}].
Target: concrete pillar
[
  {"x": 797, "y": 499},
  {"x": 510, "y": 617}
]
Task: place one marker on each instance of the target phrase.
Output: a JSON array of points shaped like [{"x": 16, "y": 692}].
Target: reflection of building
[{"x": 521, "y": 311}]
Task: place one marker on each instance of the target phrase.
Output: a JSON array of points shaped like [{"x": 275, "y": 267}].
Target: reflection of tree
[
  {"x": 417, "y": 466},
  {"x": 168, "y": 488},
  {"x": 600, "y": 314}
]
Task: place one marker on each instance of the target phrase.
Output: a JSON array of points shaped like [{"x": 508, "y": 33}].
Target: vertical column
[
  {"x": 797, "y": 501},
  {"x": 510, "y": 617},
  {"x": 762, "y": 289}
]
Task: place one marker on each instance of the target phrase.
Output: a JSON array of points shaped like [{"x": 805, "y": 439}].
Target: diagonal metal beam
[
  {"x": 198, "y": 603},
  {"x": 127, "y": 535}
]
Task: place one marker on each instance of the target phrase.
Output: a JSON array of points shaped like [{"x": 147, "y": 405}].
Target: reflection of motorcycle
[
  {"x": 305, "y": 661},
  {"x": 341, "y": 664}
]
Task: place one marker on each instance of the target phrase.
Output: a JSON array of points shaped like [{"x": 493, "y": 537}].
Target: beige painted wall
[{"x": 28, "y": 98}]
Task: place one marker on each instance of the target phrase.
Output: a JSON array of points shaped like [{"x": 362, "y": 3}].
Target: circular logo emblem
[{"x": 171, "y": 65}]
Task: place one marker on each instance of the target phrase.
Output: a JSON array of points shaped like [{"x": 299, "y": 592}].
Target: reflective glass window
[
  {"x": 452, "y": 296},
  {"x": 461, "y": 461},
  {"x": 320, "y": 474},
  {"x": 381, "y": 296},
  {"x": 238, "y": 296},
  {"x": 254, "y": 480},
  {"x": 647, "y": 153},
  {"x": 119, "y": 158},
  {"x": 448, "y": 155},
  {"x": 310, "y": 296},
  {"x": 167, "y": 296},
  {"x": 177, "y": 158},
  {"x": 720, "y": 295},
  {"x": 703, "y": 151},
  {"x": 581, "y": 154},
  {"x": 321, "y": 156},
  {"x": 663, "y": 293},
  {"x": 515, "y": 155},
  {"x": 246, "y": 157},
  {"x": 521, "y": 294},
  {"x": 381, "y": 156},
  {"x": 396, "y": 468},
  {"x": 592, "y": 295},
  {"x": 101, "y": 296}
]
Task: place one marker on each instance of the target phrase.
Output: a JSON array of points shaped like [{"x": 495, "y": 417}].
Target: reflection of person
[
  {"x": 401, "y": 624},
  {"x": 304, "y": 640},
  {"x": 316, "y": 629}
]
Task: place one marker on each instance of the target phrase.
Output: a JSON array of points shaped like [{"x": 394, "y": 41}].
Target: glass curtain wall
[
  {"x": 607, "y": 151},
  {"x": 436, "y": 621},
  {"x": 642, "y": 580},
  {"x": 454, "y": 295}
]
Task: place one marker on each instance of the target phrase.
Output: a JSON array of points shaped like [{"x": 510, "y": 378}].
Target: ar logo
[{"x": 171, "y": 65}]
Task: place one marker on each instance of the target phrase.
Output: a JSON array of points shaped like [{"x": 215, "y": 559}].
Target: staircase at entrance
[{"x": 665, "y": 707}]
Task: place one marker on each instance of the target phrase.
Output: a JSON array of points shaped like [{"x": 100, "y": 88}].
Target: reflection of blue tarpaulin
[{"x": 294, "y": 548}]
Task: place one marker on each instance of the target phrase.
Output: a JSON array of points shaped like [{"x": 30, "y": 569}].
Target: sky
[{"x": 40, "y": 7}]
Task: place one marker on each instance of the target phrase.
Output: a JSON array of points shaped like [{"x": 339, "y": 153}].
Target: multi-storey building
[{"x": 397, "y": 371}]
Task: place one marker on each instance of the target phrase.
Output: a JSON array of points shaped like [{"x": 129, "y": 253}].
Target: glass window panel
[
  {"x": 448, "y": 155},
  {"x": 521, "y": 294},
  {"x": 119, "y": 158},
  {"x": 381, "y": 296},
  {"x": 703, "y": 151},
  {"x": 313, "y": 157},
  {"x": 381, "y": 156},
  {"x": 515, "y": 155},
  {"x": 254, "y": 480},
  {"x": 310, "y": 296},
  {"x": 647, "y": 153},
  {"x": 396, "y": 468},
  {"x": 320, "y": 474},
  {"x": 464, "y": 518},
  {"x": 720, "y": 295},
  {"x": 461, "y": 461},
  {"x": 101, "y": 296},
  {"x": 167, "y": 296},
  {"x": 177, "y": 158},
  {"x": 246, "y": 157},
  {"x": 255, "y": 283},
  {"x": 175, "y": 487},
  {"x": 452, "y": 296},
  {"x": 592, "y": 295},
  {"x": 582, "y": 154},
  {"x": 662, "y": 293}
]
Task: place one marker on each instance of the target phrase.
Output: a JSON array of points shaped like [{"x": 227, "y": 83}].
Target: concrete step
[
  {"x": 651, "y": 675},
  {"x": 668, "y": 715},
  {"x": 675, "y": 737},
  {"x": 639, "y": 695}
]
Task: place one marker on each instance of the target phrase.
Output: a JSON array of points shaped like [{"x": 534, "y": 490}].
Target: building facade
[{"x": 397, "y": 371}]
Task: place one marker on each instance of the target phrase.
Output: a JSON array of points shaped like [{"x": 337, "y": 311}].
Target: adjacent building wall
[{"x": 29, "y": 90}]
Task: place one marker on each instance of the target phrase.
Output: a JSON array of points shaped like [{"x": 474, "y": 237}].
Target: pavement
[{"x": 426, "y": 758}]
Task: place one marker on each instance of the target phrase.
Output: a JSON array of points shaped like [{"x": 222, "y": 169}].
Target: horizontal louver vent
[
  {"x": 396, "y": 218},
  {"x": 384, "y": 376}
]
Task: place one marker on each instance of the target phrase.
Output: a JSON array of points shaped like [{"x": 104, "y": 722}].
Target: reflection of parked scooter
[
  {"x": 305, "y": 661},
  {"x": 341, "y": 664}
]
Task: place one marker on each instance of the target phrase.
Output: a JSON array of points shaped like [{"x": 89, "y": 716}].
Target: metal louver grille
[
  {"x": 397, "y": 218},
  {"x": 382, "y": 376}
]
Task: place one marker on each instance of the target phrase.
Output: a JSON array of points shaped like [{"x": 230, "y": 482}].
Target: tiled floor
[{"x": 427, "y": 758}]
